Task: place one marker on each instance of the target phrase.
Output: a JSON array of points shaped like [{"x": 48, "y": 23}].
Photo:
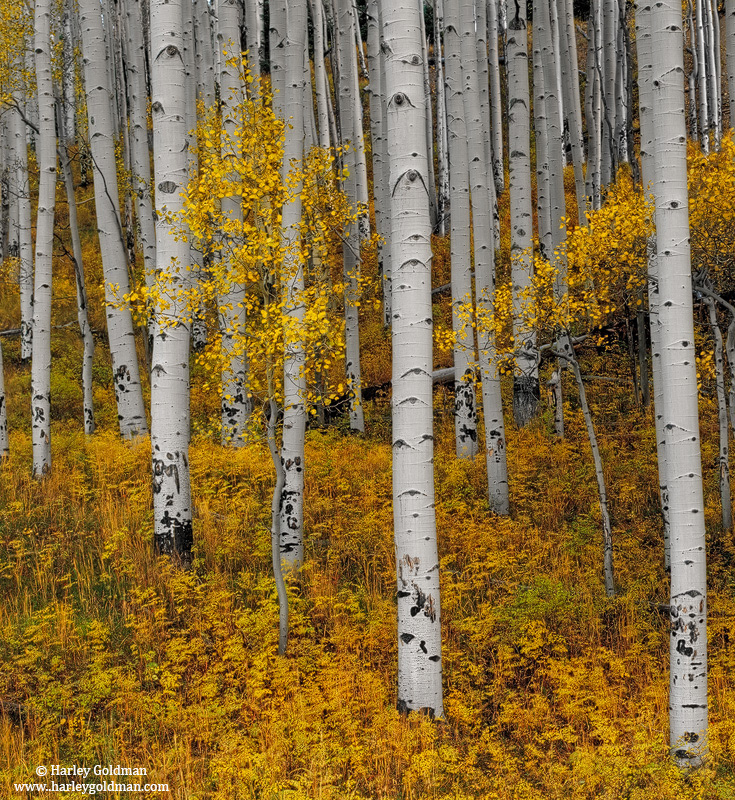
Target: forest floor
[{"x": 110, "y": 656}]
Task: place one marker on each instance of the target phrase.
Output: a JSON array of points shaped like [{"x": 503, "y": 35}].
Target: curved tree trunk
[
  {"x": 170, "y": 419},
  {"x": 417, "y": 560}
]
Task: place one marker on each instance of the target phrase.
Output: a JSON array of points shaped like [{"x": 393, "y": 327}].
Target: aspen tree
[
  {"x": 645, "y": 88},
  {"x": 465, "y": 411},
  {"x": 294, "y": 377},
  {"x": 350, "y": 116},
  {"x": 442, "y": 143},
  {"x": 730, "y": 55},
  {"x": 170, "y": 422},
  {"x": 85, "y": 328},
  {"x": 20, "y": 228},
  {"x": 496, "y": 100},
  {"x": 380, "y": 163},
  {"x": 525, "y": 383},
  {"x": 138, "y": 134},
  {"x": 321, "y": 85},
  {"x": 417, "y": 560},
  {"x": 724, "y": 454},
  {"x": 688, "y": 604},
  {"x": 46, "y": 152},
  {"x": 236, "y": 403},
  {"x": 481, "y": 187},
  {"x": 128, "y": 394},
  {"x": 204, "y": 54}
]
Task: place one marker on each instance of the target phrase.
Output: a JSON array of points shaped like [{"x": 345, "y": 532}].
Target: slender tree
[
  {"x": 417, "y": 560},
  {"x": 688, "y": 605},
  {"x": 525, "y": 384},
  {"x": 46, "y": 149},
  {"x": 128, "y": 393},
  {"x": 172, "y": 517}
]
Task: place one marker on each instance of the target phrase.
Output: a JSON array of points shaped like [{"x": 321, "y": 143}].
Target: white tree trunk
[
  {"x": 688, "y": 606},
  {"x": 572, "y": 101},
  {"x": 724, "y": 455},
  {"x": 701, "y": 69},
  {"x": 46, "y": 154},
  {"x": 21, "y": 235},
  {"x": 294, "y": 377},
  {"x": 465, "y": 408},
  {"x": 130, "y": 409},
  {"x": 172, "y": 517},
  {"x": 85, "y": 328},
  {"x": 496, "y": 98},
  {"x": 350, "y": 115},
  {"x": 730, "y": 48},
  {"x": 525, "y": 384},
  {"x": 138, "y": 130},
  {"x": 713, "y": 58},
  {"x": 380, "y": 162},
  {"x": 206, "y": 79},
  {"x": 417, "y": 560},
  {"x": 321, "y": 85},
  {"x": 482, "y": 185},
  {"x": 645, "y": 88},
  {"x": 236, "y": 405}
]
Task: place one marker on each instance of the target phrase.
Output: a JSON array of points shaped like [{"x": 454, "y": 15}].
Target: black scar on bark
[
  {"x": 434, "y": 658},
  {"x": 423, "y": 647},
  {"x": 407, "y": 637},
  {"x": 683, "y": 649}
]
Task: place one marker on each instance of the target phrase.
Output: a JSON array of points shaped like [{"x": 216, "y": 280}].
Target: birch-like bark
[
  {"x": 688, "y": 605},
  {"x": 572, "y": 101},
  {"x": 350, "y": 117},
  {"x": 701, "y": 62},
  {"x": 417, "y": 559},
  {"x": 206, "y": 75},
  {"x": 645, "y": 88},
  {"x": 380, "y": 162},
  {"x": 593, "y": 110},
  {"x": 608, "y": 65},
  {"x": 68, "y": 75},
  {"x": 46, "y": 155},
  {"x": 692, "y": 77},
  {"x": 713, "y": 57},
  {"x": 321, "y": 85},
  {"x": 496, "y": 98},
  {"x": 525, "y": 383},
  {"x": 85, "y": 329},
  {"x": 170, "y": 418},
  {"x": 236, "y": 404},
  {"x": 481, "y": 186},
  {"x": 465, "y": 410},
  {"x": 294, "y": 377},
  {"x": 138, "y": 132},
  {"x": 21, "y": 235},
  {"x": 128, "y": 394},
  {"x": 442, "y": 142},
  {"x": 724, "y": 430},
  {"x": 730, "y": 55},
  {"x": 541, "y": 138}
]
